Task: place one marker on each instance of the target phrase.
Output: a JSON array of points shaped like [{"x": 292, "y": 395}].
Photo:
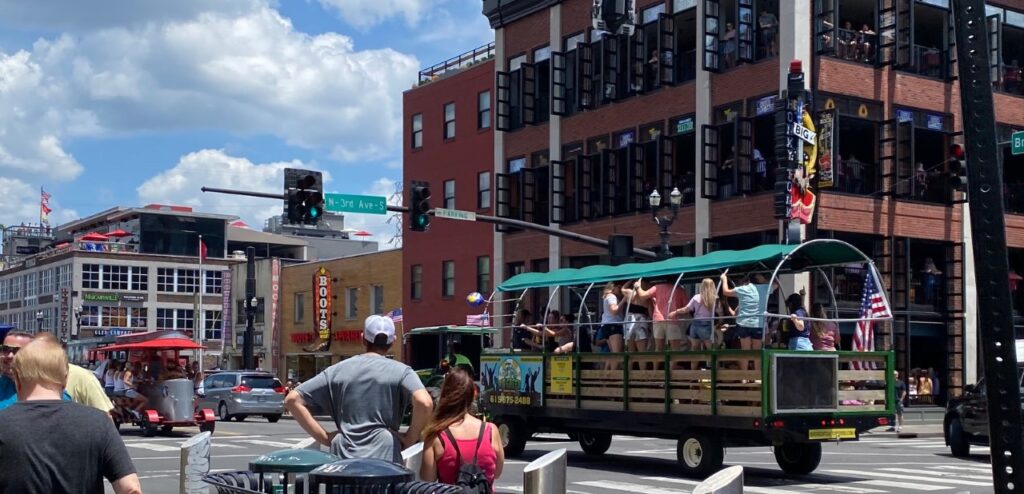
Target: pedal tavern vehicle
[
  {"x": 170, "y": 399},
  {"x": 708, "y": 400}
]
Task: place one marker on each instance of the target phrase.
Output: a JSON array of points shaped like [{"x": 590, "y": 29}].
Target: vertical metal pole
[
  {"x": 250, "y": 308},
  {"x": 985, "y": 195},
  {"x": 546, "y": 475}
]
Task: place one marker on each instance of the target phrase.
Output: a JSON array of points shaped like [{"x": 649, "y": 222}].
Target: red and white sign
[
  {"x": 64, "y": 309},
  {"x": 323, "y": 296},
  {"x": 275, "y": 311}
]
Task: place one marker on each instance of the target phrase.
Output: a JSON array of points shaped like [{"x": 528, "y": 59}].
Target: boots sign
[{"x": 322, "y": 289}]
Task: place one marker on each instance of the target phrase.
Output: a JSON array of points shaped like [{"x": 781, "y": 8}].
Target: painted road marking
[
  {"x": 910, "y": 477},
  {"x": 629, "y": 487},
  {"x": 154, "y": 447},
  {"x": 262, "y": 442},
  {"x": 904, "y": 485}
]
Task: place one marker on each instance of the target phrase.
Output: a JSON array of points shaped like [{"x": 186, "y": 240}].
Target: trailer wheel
[
  {"x": 595, "y": 443},
  {"x": 148, "y": 429},
  {"x": 207, "y": 426},
  {"x": 166, "y": 429},
  {"x": 699, "y": 453},
  {"x": 513, "y": 435},
  {"x": 958, "y": 444},
  {"x": 798, "y": 458}
]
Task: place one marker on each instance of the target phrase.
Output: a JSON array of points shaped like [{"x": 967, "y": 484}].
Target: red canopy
[
  {"x": 118, "y": 233},
  {"x": 156, "y": 344},
  {"x": 93, "y": 237}
]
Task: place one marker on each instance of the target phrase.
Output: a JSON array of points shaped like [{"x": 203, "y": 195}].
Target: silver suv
[{"x": 238, "y": 394}]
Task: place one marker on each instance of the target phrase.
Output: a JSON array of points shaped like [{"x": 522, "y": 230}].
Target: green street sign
[
  {"x": 350, "y": 203},
  {"x": 1018, "y": 142}
]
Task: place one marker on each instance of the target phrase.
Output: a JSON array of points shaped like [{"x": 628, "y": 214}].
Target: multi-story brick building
[
  {"x": 360, "y": 285},
  {"x": 449, "y": 143},
  {"x": 587, "y": 125}
]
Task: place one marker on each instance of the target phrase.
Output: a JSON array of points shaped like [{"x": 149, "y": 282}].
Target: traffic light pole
[
  {"x": 525, "y": 225},
  {"x": 991, "y": 269}
]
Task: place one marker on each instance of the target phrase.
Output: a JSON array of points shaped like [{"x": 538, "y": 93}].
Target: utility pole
[
  {"x": 250, "y": 308},
  {"x": 991, "y": 268}
]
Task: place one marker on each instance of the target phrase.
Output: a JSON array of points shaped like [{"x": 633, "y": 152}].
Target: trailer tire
[
  {"x": 595, "y": 443},
  {"x": 798, "y": 458},
  {"x": 959, "y": 446},
  {"x": 148, "y": 429},
  {"x": 513, "y": 435},
  {"x": 699, "y": 453}
]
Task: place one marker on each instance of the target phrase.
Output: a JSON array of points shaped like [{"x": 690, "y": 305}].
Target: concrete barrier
[
  {"x": 195, "y": 463},
  {"x": 727, "y": 481},
  {"x": 546, "y": 475},
  {"x": 412, "y": 457}
]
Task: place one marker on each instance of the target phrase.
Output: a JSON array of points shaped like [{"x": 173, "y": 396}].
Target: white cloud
[
  {"x": 242, "y": 68},
  {"x": 181, "y": 185},
  {"x": 363, "y": 14},
  {"x": 18, "y": 201},
  {"x": 76, "y": 15}
]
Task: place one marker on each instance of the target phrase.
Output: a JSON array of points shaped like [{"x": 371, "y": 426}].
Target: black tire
[
  {"x": 222, "y": 412},
  {"x": 798, "y": 458},
  {"x": 149, "y": 430},
  {"x": 117, "y": 423},
  {"x": 241, "y": 418},
  {"x": 699, "y": 453},
  {"x": 958, "y": 443},
  {"x": 208, "y": 426},
  {"x": 595, "y": 443},
  {"x": 273, "y": 418},
  {"x": 166, "y": 429},
  {"x": 513, "y": 435}
]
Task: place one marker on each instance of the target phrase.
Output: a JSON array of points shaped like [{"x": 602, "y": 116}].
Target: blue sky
[{"x": 128, "y": 102}]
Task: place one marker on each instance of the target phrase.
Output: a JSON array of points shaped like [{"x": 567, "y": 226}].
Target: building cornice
[{"x": 500, "y": 13}]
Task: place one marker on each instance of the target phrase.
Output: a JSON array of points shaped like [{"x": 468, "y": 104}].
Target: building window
[
  {"x": 30, "y": 285},
  {"x": 90, "y": 316},
  {"x": 416, "y": 283},
  {"x": 164, "y": 319},
  {"x": 483, "y": 275},
  {"x": 483, "y": 194},
  {"x": 449, "y": 194},
  {"x": 417, "y": 131},
  {"x": 175, "y": 319},
  {"x": 213, "y": 282},
  {"x": 64, "y": 275},
  {"x": 188, "y": 281},
  {"x": 212, "y": 325},
  {"x": 139, "y": 318},
  {"x": 300, "y": 306},
  {"x": 115, "y": 277},
  {"x": 483, "y": 110},
  {"x": 448, "y": 278},
  {"x": 90, "y": 278},
  {"x": 165, "y": 279},
  {"x": 351, "y": 298},
  {"x": 140, "y": 278},
  {"x": 114, "y": 317},
  {"x": 449, "y": 121},
  {"x": 377, "y": 302}
]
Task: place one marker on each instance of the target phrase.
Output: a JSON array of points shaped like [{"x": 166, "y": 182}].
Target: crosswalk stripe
[
  {"x": 154, "y": 447},
  {"x": 651, "y": 451},
  {"x": 940, "y": 474},
  {"x": 903, "y": 485},
  {"x": 751, "y": 489},
  {"x": 909, "y": 477},
  {"x": 261, "y": 442},
  {"x": 225, "y": 445},
  {"x": 968, "y": 468},
  {"x": 629, "y": 487}
]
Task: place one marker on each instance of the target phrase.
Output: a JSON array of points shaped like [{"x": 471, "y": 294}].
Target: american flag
[
  {"x": 396, "y": 315},
  {"x": 872, "y": 305},
  {"x": 480, "y": 320}
]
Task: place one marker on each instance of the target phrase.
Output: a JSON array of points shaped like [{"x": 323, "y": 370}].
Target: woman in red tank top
[{"x": 451, "y": 415}]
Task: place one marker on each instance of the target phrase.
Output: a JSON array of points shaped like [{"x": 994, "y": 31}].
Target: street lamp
[
  {"x": 78, "y": 321},
  {"x": 675, "y": 199},
  {"x": 39, "y": 321}
]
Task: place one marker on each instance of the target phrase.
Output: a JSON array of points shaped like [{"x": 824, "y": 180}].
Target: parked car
[
  {"x": 966, "y": 420},
  {"x": 239, "y": 394}
]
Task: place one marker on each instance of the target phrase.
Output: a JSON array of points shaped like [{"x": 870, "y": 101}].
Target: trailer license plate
[{"x": 830, "y": 434}]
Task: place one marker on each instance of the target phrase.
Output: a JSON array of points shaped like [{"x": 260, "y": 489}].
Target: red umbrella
[
  {"x": 94, "y": 237},
  {"x": 239, "y": 224},
  {"x": 119, "y": 233},
  {"x": 363, "y": 233}
]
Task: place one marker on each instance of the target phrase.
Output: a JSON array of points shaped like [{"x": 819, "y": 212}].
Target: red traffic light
[{"x": 956, "y": 151}]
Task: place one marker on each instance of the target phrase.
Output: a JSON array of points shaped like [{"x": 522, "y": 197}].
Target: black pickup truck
[{"x": 966, "y": 420}]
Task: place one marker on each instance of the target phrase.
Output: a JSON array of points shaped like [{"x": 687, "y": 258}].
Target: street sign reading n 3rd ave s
[
  {"x": 454, "y": 214},
  {"x": 351, "y": 203},
  {"x": 1017, "y": 138}
]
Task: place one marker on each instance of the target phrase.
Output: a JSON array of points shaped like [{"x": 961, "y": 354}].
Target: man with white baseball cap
[{"x": 366, "y": 395}]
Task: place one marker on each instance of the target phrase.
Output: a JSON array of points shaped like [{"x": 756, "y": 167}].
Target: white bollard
[
  {"x": 195, "y": 463},
  {"x": 546, "y": 475},
  {"x": 412, "y": 457},
  {"x": 727, "y": 481}
]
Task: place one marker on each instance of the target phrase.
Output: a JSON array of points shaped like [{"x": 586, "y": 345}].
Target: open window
[
  {"x": 586, "y": 71},
  {"x": 678, "y": 167},
  {"x": 527, "y": 196},
  {"x": 587, "y": 196},
  {"x": 745, "y": 176},
  {"x": 923, "y": 38},
  {"x": 613, "y": 78},
  {"x": 613, "y": 197},
  {"x": 920, "y": 147},
  {"x": 665, "y": 64},
  {"x": 560, "y": 84},
  {"x": 711, "y": 160},
  {"x": 503, "y": 101},
  {"x": 503, "y": 199},
  {"x": 541, "y": 85},
  {"x": 826, "y": 27},
  {"x": 684, "y": 23},
  {"x": 557, "y": 187},
  {"x": 1006, "y": 42},
  {"x": 1013, "y": 176},
  {"x": 528, "y": 94},
  {"x": 746, "y": 30},
  {"x": 712, "y": 50}
]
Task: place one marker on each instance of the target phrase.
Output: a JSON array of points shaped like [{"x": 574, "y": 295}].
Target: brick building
[
  {"x": 449, "y": 143},
  {"x": 588, "y": 124},
  {"x": 361, "y": 285}
]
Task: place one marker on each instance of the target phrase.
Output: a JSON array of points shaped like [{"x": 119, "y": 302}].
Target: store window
[
  {"x": 351, "y": 303},
  {"x": 483, "y": 192},
  {"x": 449, "y": 121}
]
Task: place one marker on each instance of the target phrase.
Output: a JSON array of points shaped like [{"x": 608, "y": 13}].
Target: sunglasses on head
[{"x": 4, "y": 349}]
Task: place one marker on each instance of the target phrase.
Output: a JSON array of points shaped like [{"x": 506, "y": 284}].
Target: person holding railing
[
  {"x": 612, "y": 318},
  {"x": 824, "y": 334},
  {"x": 701, "y": 306},
  {"x": 799, "y": 328},
  {"x": 752, "y": 294}
]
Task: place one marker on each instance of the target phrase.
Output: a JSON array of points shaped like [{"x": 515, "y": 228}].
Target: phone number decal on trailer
[{"x": 512, "y": 380}]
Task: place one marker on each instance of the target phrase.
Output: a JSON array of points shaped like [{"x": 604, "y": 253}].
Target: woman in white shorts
[{"x": 638, "y": 318}]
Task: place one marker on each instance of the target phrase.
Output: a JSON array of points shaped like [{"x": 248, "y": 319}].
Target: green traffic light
[
  {"x": 314, "y": 212},
  {"x": 421, "y": 220}
]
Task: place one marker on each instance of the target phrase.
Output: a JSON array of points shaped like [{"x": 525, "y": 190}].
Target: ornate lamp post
[{"x": 675, "y": 199}]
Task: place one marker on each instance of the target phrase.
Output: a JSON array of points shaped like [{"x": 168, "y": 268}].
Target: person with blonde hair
[
  {"x": 41, "y": 428},
  {"x": 702, "y": 306},
  {"x": 82, "y": 385}
]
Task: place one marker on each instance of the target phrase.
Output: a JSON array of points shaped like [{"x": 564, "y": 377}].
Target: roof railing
[{"x": 472, "y": 57}]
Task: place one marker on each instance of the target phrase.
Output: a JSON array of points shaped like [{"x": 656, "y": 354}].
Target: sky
[{"x": 109, "y": 103}]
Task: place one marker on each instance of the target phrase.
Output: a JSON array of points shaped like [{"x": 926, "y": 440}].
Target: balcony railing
[{"x": 460, "y": 62}]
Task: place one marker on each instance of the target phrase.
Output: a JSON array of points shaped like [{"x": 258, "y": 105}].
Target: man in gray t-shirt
[{"x": 366, "y": 395}]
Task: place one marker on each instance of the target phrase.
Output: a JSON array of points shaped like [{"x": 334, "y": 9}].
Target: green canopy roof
[
  {"x": 761, "y": 258},
  {"x": 470, "y": 330}
]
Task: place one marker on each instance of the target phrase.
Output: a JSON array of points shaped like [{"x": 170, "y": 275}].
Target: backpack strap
[
  {"x": 455, "y": 444},
  {"x": 479, "y": 439}
]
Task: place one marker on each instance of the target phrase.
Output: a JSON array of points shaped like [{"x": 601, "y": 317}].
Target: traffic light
[
  {"x": 304, "y": 190},
  {"x": 957, "y": 167},
  {"x": 419, "y": 207}
]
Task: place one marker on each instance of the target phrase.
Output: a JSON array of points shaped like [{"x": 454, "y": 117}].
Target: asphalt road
[{"x": 879, "y": 463}]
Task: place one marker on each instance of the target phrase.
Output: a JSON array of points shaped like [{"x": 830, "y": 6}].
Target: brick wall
[
  {"x": 866, "y": 215},
  {"x": 745, "y": 81},
  {"x": 524, "y": 35}
]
